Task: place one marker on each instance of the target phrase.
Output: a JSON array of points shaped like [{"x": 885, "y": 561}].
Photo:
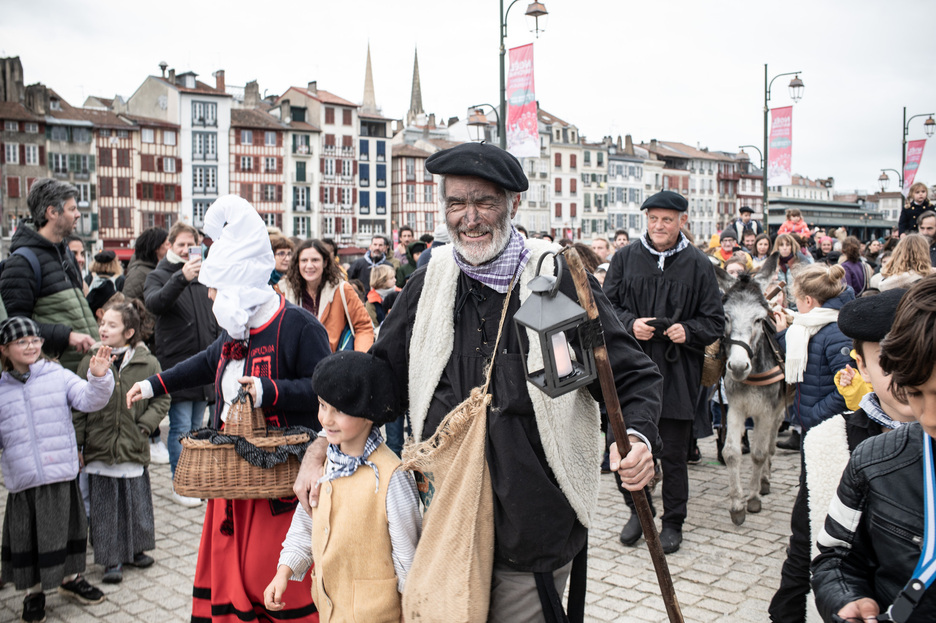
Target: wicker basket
[
  {"x": 713, "y": 365},
  {"x": 247, "y": 461}
]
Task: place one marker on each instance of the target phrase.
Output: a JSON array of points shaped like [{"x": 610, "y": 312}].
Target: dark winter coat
[
  {"x": 876, "y": 557},
  {"x": 113, "y": 434},
  {"x": 361, "y": 269},
  {"x": 60, "y": 307},
  {"x": 907, "y": 222},
  {"x": 829, "y": 351},
  {"x": 685, "y": 292},
  {"x": 136, "y": 275},
  {"x": 185, "y": 324}
]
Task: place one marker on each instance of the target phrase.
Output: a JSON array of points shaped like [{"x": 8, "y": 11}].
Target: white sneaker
[
  {"x": 187, "y": 502},
  {"x": 159, "y": 453}
]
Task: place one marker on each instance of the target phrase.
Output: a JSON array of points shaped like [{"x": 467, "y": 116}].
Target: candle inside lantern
[{"x": 561, "y": 354}]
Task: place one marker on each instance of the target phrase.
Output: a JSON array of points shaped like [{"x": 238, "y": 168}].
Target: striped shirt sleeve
[
  {"x": 405, "y": 522},
  {"x": 297, "y": 546}
]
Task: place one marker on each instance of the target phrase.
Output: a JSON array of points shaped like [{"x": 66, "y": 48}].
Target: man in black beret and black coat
[
  {"x": 542, "y": 453},
  {"x": 664, "y": 292}
]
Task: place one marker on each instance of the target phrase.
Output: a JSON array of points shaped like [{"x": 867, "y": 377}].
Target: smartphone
[{"x": 194, "y": 251}]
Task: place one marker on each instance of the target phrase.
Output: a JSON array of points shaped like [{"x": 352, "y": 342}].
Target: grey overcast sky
[{"x": 679, "y": 70}]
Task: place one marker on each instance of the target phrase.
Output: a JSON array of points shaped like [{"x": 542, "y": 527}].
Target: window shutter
[
  {"x": 279, "y": 193},
  {"x": 558, "y": 184},
  {"x": 558, "y": 210},
  {"x": 12, "y": 187},
  {"x": 41, "y": 155},
  {"x": 321, "y": 194},
  {"x": 22, "y": 153},
  {"x": 558, "y": 161},
  {"x": 93, "y": 192},
  {"x": 72, "y": 162},
  {"x": 321, "y": 165},
  {"x": 159, "y": 192},
  {"x": 2, "y": 153},
  {"x": 237, "y": 162},
  {"x": 159, "y": 164},
  {"x": 572, "y": 160},
  {"x": 178, "y": 193},
  {"x": 354, "y": 167},
  {"x": 279, "y": 139},
  {"x": 572, "y": 210},
  {"x": 139, "y": 190},
  {"x": 572, "y": 184},
  {"x": 354, "y": 195},
  {"x": 256, "y": 164},
  {"x": 90, "y": 163},
  {"x": 279, "y": 164},
  {"x": 237, "y": 137},
  {"x": 178, "y": 165},
  {"x": 338, "y": 225}
]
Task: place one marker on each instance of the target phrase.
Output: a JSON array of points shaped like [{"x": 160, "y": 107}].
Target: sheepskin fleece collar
[{"x": 569, "y": 426}]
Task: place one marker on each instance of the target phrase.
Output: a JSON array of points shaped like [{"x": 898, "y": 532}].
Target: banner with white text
[
  {"x": 779, "y": 163},
  {"x": 521, "y": 124},
  {"x": 914, "y": 155}
]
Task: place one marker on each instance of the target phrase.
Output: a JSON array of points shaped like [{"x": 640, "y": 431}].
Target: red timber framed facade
[
  {"x": 159, "y": 173},
  {"x": 414, "y": 198},
  {"x": 256, "y": 166}
]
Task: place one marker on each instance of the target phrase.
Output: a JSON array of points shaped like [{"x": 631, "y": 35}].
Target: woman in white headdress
[{"x": 274, "y": 347}]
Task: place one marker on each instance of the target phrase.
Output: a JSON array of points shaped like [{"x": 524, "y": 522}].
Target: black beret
[
  {"x": 482, "y": 160},
  {"x": 666, "y": 200},
  {"x": 359, "y": 385},
  {"x": 870, "y": 318},
  {"x": 417, "y": 246},
  {"x": 746, "y": 209},
  {"x": 105, "y": 257},
  {"x": 729, "y": 232}
]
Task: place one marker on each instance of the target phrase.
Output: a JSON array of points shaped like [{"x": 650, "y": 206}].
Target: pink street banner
[
  {"x": 914, "y": 155},
  {"x": 779, "y": 163},
  {"x": 521, "y": 124}
]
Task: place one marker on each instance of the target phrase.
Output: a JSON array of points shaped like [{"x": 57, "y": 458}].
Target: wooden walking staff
[{"x": 613, "y": 405}]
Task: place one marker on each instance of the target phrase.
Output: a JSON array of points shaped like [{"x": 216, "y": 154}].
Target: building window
[
  {"x": 346, "y": 196},
  {"x": 247, "y": 137},
  {"x": 124, "y": 217},
  {"x": 32, "y": 128},
  {"x": 364, "y": 174},
  {"x": 11, "y": 126},
  {"x": 199, "y": 207},
  {"x": 572, "y": 161},
  {"x": 329, "y": 164},
  {"x": 105, "y": 186},
  {"x": 346, "y": 116},
  {"x": 301, "y": 226},
  {"x": 81, "y": 135},
  {"x": 381, "y": 151},
  {"x": 205, "y": 179},
  {"x": 123, "y": 186},
  {"x": 146, "y": 191},
  {"x": 410, "y": 193},
  {"x": 587, "y": 158},
  {"x": 246, "y": 163},
  {"x": 106, "y": 218},
  {"x": 169, "y": 165},
  {"x": 329, "y": 115},
  {"x": 269, "y": 165},
  {"x": 204, "y": 146},
  {"x": 301, "y": 144},
  {"x": 148, "y": 135},
  {"x": 430, "y": 221},
  {"x": 123, "y": 133},
  {"x": 411, "y": 219},
  {"x": 347, "y": 168},
  {"x": 269, "y": 192},
  {"x": 300, "y": 171},
  {"x": 381, "y": 202},
  {"x": 13, "y": 186},
  {"x": 410, "y": 169},
  {"x": 204, "y": 113},
  {"x": 59, "y": 163},
  {"x": 32, "y": 154},
  {"x": 169, "y": 137},
  {"x": 269, "y": 139},
  {"x": 123, "y": 157},
  {"x": 381, "y": 175},
  {"x": 364, "y": 202},
  {"x": 600, "y": 159},
  {"x": 59, "y": 133},
  {"x": 427, "y": 193},
  {"x": 300, "y": 197},
  {"x": 558, "y": 161},
  {"x": 11, "y": 150},
  {"x": 84, "y": 195},
  {"x": 328, "y": 225},
  {"x": 363, "y": 148}
]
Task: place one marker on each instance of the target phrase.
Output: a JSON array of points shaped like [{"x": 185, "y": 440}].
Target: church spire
[
  {"x": 416, "y": 107},
  {"x": 370, "y": 101}
]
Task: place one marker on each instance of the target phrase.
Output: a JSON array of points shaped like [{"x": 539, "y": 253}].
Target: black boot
[
  {"x": 632, "y": 531},
  {"x": 791, "y": 443}
]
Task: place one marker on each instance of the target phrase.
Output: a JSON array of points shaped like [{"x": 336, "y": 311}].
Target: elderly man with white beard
[{"x": 545, "y": 487}]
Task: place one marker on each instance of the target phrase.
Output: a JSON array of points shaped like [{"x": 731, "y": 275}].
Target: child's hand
[
  {"x": 847, "y": 376},
  {"x": 273, "y": 594},
  {"x": 864, "y": 609},
  {"x": 100, "y": 363}
]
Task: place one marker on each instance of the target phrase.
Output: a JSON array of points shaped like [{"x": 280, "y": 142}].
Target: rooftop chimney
[
  {"x": 172, "y": 76},
  {"x": 252, "y": 95},
  {"x": 431, "y": 123},
  {"x": 219, "y": 80},
  {"x": 313, "y": 87}
]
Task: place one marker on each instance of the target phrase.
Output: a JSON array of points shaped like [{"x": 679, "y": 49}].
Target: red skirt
[{"x": 237, "y": 560}]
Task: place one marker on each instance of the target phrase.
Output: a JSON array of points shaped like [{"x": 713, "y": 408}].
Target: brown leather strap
[{"x": 765, "y": 378}]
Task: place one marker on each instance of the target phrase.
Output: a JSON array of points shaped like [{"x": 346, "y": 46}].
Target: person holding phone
[{"x": 185, "y": 326}]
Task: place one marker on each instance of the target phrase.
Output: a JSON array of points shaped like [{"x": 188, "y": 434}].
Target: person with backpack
[{"x": 41, "y": 280}]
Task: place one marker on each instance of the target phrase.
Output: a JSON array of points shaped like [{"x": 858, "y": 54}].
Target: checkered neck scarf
[
  {"x": 499, "y": 272},
  {"x": 344, "y": 465},
  {"x": 662, "y": 255},
  {"x": 872, "y": 408}
]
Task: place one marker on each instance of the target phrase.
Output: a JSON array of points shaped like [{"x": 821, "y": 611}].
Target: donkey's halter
[{"x": 766, "y": 377}]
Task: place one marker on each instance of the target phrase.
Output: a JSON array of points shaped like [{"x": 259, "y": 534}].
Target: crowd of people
[{"x": 405, "y": 341}]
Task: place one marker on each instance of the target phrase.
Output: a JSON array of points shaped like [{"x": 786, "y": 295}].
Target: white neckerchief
[
  {"x": 797, "y": 339},
  {"x": 662, "y": 255}
]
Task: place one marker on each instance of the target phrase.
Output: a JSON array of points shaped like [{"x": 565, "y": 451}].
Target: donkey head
[{"x": 745, "y": 311}]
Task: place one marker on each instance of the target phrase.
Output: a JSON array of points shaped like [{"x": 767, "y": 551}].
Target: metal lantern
[{"x": 553, "y": 317}]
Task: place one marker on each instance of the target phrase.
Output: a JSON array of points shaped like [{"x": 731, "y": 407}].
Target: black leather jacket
[{"x": 882, "y": 492}]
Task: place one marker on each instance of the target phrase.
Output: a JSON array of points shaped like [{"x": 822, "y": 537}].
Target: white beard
[{"x": 478, "y": 253}]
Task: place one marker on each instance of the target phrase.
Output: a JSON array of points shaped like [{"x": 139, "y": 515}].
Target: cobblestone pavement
[{"x": 721, "y": 572}]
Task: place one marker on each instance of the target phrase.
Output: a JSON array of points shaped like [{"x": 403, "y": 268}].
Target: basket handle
[{"x": 243, "y": 395}]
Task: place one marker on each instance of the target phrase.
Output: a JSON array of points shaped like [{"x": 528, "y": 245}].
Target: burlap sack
[{"x": 450, "y": 579}]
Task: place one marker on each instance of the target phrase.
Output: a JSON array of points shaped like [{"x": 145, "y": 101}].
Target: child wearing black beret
[{"x": 362, "y": 535}]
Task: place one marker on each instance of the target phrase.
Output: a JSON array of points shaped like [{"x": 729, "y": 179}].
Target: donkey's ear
[
  {"x": 768, "y": 272},
  {"x": 725, "y": 280}
]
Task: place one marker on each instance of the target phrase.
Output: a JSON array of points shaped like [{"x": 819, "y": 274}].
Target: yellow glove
[{"x": 852, "y": 386}]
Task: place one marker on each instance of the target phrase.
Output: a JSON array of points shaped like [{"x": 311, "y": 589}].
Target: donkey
[{"x": 754, "y": 385}]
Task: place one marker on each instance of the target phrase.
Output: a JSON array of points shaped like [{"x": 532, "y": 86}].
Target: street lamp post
[
  {"x": 929, "y": 126},
  {"x": 884, "y": 180},
  {"x": 534, "y": 12},
  {"x": 796, "y": 93},
  {"x": 478, "y": 121}
]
